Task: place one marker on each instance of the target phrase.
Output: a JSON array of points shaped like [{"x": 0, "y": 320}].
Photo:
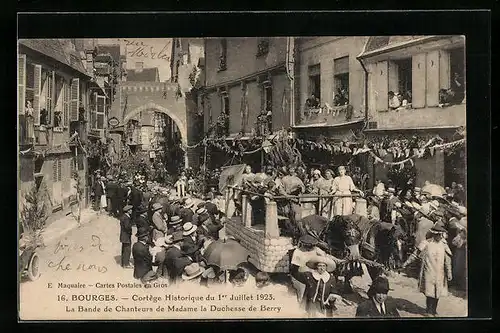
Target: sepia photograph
[{"x": 242, "y": 178}]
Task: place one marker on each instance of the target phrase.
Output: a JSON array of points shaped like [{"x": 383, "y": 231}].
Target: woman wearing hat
[
  {"x": 435, "y": 269},
  {"x": 320, "y": 286},
  {"x": 377, "y": 305},
  {"x": 343, "y": 185}
]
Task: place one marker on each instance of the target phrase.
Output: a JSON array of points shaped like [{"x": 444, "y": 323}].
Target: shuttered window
[
  {"x": 21, "y": 83},
  {"x": 49, "y": 90},
  {"x": 59, "y": 170},
  {"x": 74, "y": 100},
  {"x": 37, "y": 89},
  {"x": 100, "y": 112},
  {"x": 66, "y": 98}
]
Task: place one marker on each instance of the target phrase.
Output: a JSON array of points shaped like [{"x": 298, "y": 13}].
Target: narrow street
[{"x": 90, "y": 255}]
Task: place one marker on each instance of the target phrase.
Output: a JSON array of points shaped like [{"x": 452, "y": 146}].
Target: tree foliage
[{"x": 33, "y": 217}]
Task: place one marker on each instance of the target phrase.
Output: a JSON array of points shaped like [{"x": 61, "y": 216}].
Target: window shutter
[
  {"x": 75, "y": 100},
  {"x": 432, "y": 93},
  {"x": 21, "y": 81},
  {"x": 59, "y": 170},
  {"x": 65, "y": 104},
  {"x": 418, "y": 78},
  {"x": 54, "y": 171},
  {"x": 382, "y": 86},
  {"x": 37, "y": 87}
]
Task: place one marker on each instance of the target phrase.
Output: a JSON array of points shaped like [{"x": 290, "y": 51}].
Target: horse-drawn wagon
[{"x": 262, "y": 236}]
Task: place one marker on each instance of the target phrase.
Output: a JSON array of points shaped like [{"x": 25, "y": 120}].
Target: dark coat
[
  {"x": 175, "y": 265},
  {"x": 98, "y": 190},
  {"x": 121, "y": 194},
  {"x": 386, "y": 207},
  {"x": 125, "y": 229},
  {"x": 311, "y": 284},
  {"x": 135, "y": 197},
  {"x": 143, "y": 261},
  {"x": 186, "y": 215},
  {"x": 112, "y": 189},
  {"x": 141, "y": 222},
  {"x": 368, "y": 309}
]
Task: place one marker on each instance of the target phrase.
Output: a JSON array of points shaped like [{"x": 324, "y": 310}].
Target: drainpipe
[
  {"x": 366, "y": 87},
  {"x": 372, "y": 176}
]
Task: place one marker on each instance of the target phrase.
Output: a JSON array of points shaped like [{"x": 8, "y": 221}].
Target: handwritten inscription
[
  {"x": 66, "y": 249},
  {"x": 139, "y": 49}
]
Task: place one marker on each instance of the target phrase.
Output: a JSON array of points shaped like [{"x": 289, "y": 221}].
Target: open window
[
  {"x": 223, "y": 55},
  {"x": 457, "y": 74},
  {"x": 268, "y": 105},
  {"x": 314, "y": 86},
  {"x": 341, "y": 81},
  {"x": 400, "y": 83}
]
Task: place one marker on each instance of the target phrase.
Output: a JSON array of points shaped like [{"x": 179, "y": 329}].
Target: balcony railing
[{"x": 328, "y": 115}]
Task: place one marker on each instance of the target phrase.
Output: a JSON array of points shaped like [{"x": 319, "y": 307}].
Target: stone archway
[
  {"x": 181, "y": 124},
  {"x": 158, "y": 108}
]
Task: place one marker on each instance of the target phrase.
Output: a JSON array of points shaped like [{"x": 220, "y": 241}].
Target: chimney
[{"x": 139, "y": 66}]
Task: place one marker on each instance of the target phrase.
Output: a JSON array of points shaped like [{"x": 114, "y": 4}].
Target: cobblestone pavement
[{"x": 90, "y": 255}]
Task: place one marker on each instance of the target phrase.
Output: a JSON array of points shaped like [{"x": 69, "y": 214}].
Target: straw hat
[
  {"x": 174, "y": 220},
  {"x": 201, "y": 210},
  {"x": 157, "y": 206},
  {"x": 330, "y": 264},
  {"x": 189, "y": 203},
  {"x": 192, "y": 271},
  {"x": 188, "y": 228}
]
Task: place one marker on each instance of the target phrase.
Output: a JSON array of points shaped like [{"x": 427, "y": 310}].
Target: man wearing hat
[
  {"x": 172, "y": 254},
  {"x": 134, "y": 197},
  {"x": 111, "y": 193},
  {"x": 141, "y": 220},
  {"x": 387, "y": 206},
  {"x": 188, "y": 256},
  {"x": 208, "y": 226},
  {"x": 190, "y": 233},
  {"x": 192, "y": 273},
  {"x": 377, "y": 305},
  {"x": 143, "y": 260},
  {"x": 424, "y": 224},
  {"x": 187, "y": 212},
  {"x": 157, "y": 221},
  {"x": 320, "y": 286},
  {"x": 435, "y": 269},
  {"x": 199, "y": 208},
  {"x": 174, "y": 224},
  {"x": 126, "y": 236}
]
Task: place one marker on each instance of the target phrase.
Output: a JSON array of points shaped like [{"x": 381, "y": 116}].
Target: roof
[
  {"x": 379, "y": 43},
  {"x": 112, "y": 49},
  {"x": 146, "y": 75},
  {"x": 57, "y": 49}
]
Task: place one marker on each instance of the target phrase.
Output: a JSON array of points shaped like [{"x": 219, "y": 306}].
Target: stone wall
[{"x": 266, "y": 254}]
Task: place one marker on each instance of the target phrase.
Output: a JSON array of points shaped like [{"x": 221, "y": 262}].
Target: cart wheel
[{"x": 34, "y": 267}]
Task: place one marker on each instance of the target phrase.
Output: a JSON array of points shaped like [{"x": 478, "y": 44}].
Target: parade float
[{"x": 269, "y": 250}]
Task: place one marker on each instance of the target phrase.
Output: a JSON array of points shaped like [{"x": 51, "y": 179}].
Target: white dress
[{"x": 343, "y": 185}]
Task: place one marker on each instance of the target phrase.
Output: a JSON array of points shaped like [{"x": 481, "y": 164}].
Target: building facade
[
  {"x": 416, "y": 86},
  {"x": 53, "y": 99},
  {"x": 330, "y": 92},
  {"x": 247, "y": 90}
]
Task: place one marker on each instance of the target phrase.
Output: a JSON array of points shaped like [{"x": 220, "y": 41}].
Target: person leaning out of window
[{"x": 394, "y": 101}]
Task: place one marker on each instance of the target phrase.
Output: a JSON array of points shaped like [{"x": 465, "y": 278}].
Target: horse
[{"x": 358, "y": 240}]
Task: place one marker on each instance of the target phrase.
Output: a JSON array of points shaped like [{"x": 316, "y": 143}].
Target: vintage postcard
[{"x": 242, "y": 178}]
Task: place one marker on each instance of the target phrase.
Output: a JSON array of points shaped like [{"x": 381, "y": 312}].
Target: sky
[{"x": 154, "y": 52}]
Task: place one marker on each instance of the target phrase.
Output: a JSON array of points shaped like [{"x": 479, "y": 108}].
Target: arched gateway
[{"x": 153, "y": 107}]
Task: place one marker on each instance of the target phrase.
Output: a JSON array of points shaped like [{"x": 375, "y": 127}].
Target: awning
[{"x": 96, "y": 84}]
